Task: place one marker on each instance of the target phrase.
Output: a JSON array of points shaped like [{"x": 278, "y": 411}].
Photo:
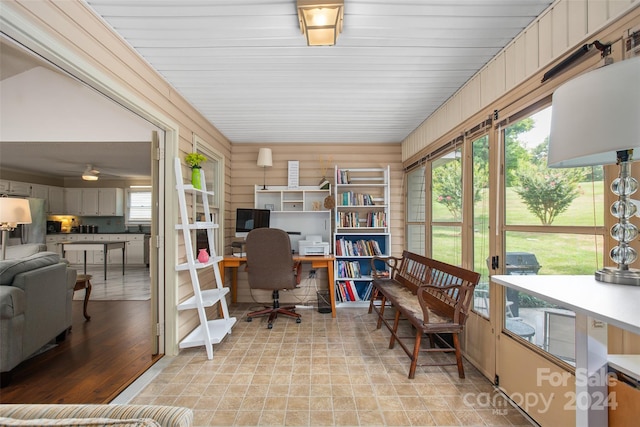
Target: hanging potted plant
[{"x": 194, "y": 160}]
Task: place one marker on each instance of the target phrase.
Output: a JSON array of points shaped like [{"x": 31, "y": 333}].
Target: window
[
  {"x": 415, "y": 211},
  {"x": 446, "y": 208},
  {"x": 554, "y": 224},
  {"x": 480, "y": 204},
  {"x": 139, "y": 205},
  {"x": 214, "y": 178}
]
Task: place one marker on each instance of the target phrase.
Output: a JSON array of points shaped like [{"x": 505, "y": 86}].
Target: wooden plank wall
[
  {"x": 315, "y": 160},
  {"x": 70, "y": 35},
  {"x": 558, "y": 31}
]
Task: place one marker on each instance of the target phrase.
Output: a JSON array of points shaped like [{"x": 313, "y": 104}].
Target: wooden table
[
  {"x": 593, "y": 302},
  {"x": 85, "y": 246},
  {"x": 317, "y": 261}
]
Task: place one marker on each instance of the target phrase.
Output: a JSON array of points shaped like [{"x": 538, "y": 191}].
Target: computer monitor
[{"x": 248, "y": 219}]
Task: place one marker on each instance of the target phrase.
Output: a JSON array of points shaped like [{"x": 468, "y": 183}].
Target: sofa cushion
[
  {"x": 23, "y": 251},
  {"x": 79, "y": 422},
  {"x": 166, "y": 416},
  {"x": 12, "y": 302},
  {"x": 10, "y": 267}
]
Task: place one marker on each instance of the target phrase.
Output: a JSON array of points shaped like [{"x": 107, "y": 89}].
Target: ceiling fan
[{"x": 90, "y": 173}]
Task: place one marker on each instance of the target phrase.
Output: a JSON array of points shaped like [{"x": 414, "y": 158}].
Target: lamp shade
[
  {"x": 595, "y": 115},
  {"x": 264, "y": 157},
  {"x": 321, "y": 21},
  {"x": 14, "y": 211}
]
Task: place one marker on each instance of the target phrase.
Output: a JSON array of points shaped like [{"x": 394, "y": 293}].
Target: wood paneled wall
[
  {"x": 316, "y": 160},
  {"x": 71, "y": 36},
  {"x": 555, "y": 33}
]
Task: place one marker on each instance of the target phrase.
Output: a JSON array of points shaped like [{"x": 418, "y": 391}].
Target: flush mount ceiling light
[
  {"x": 90, "y": 174},
  {"x": 320, "y": 21}
]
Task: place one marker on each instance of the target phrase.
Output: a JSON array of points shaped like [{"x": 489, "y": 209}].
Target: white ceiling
[
  {"x": 245, "y": 66},
  {"x": 54, "y": 126}
]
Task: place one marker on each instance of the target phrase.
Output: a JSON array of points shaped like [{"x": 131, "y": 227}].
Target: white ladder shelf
[{"x": 208, "y": 332}]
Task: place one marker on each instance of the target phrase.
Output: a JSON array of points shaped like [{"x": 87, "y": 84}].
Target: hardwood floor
[{"x": 96, "y": 361}]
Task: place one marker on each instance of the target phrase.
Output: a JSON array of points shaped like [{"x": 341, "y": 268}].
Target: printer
[{"x": 313, "y": 245}]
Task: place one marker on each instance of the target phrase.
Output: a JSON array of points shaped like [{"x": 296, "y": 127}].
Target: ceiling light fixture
[
  {"x": 90, "y": 174},
  {"x": 320, "y": 21}
]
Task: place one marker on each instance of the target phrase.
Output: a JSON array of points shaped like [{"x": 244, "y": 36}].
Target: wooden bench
[{"x": 432, "y": 295}]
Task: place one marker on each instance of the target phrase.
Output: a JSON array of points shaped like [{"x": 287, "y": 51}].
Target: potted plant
[{"x": 194, "y": 160}]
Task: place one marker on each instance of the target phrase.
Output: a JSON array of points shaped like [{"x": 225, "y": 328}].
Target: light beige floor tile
[
  {"x": 345, "y": 418},
  {"x": 296, "y": 418},
  {"x": 321, "y": 418},
  {"x": 247, "y": 418},
  {"x": 322, "y": 372},
  {"x": 396, "y": 418},
  {"x": 272, "y": 418}
]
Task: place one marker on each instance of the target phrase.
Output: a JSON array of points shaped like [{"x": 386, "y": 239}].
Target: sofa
[
  {"x": 95, "y": 415},
  {"x": 36, "y": 293}
]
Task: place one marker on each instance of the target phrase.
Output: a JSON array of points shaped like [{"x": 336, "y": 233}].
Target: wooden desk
[
  {"x": 317, "y": 261},
  {"x": 95, "y": 246}
]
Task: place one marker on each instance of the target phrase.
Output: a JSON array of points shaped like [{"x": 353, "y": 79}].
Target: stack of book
[
  {"x": 346, "y": 247},
  {"x": 349, "y": 269},
  {"x": 349, "y": 198},
  {"x": 346, "y": 291}
]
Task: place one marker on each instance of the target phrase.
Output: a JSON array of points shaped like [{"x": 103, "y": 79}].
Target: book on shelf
[
  {"x": 360, "y": 247},
  {"x": 367, "y": 292},
  {"x": 342, "y": 177},
  {"x": 349, "y": 198},
  {"x": 372, "y": 220},
  {"x": 349, "y": 269},
  {"x": 347, "y": 291}
]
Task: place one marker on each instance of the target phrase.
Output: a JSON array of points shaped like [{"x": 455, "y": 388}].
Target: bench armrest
[
  {"x": 443, "y": 300},
  {"x": 390, "y": 261}
]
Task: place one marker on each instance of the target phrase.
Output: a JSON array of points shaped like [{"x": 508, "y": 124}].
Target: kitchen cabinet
[
  {"x": 115, "y": 257},
  {"x": 111, "y": 201},
  {"x": 73, "y": 201},
  {"x": 14, "y": 188},
  {"x": 90, "y": 202},
  {"x": 53, "y": 243},
  {"x": 41, "y": 192},
  {"x": 94, "y": 201},
  {"x": 135, "y": 249},
  {"x": 53, "y": 197},
  {"x": 56, "y": 200},
  {"x": 134, "y": 252}
]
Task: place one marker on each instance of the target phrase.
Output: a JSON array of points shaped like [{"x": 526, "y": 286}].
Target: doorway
[{"x": 155, "y": 305}]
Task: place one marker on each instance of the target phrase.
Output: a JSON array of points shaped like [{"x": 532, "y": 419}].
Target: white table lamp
[
  {"x": 264, "y": 161},
  {"x": 595, "y": 120},
  {"x": 12, "y": 212}
]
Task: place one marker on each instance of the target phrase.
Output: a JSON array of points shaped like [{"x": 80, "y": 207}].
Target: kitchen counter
[{"x": 135, "y": 243}]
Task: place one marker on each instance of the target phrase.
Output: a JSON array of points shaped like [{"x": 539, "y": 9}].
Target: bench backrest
[{"x": 445, "y": 289}]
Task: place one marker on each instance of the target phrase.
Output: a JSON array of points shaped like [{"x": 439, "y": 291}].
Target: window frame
[{"x": 137, "y": 189}]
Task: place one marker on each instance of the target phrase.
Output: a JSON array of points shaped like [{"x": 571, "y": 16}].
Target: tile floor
[{"x": 321, "y": 372}]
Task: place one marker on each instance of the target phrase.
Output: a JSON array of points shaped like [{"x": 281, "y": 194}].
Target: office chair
[{"x": 270, "y": 266}]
